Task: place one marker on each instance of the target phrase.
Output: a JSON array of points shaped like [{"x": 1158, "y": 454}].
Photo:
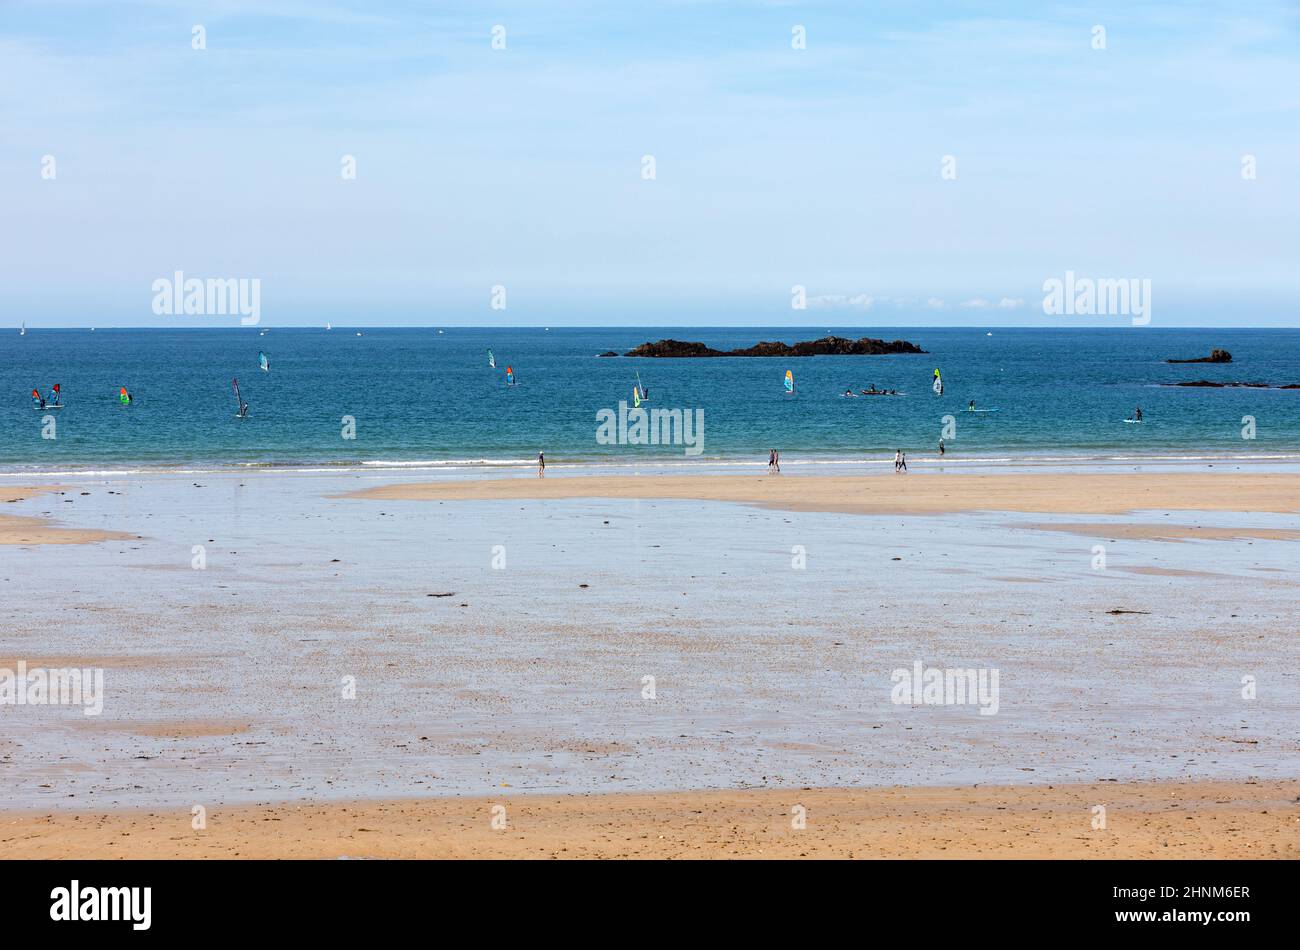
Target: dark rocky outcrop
[
  {"x": 826, "y": 346},
  {"x": 608, "y": 353},
  {"x": 1216, "y": 356},
  {"x": 1207, "y": 384},
  {"x": 673, "y": 349}
]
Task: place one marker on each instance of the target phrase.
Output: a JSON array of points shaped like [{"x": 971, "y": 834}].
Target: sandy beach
[
  {"x": 649, "y": 431},
  {"x": 1074, "y": 492},
  {"x": 15, "y": 529},
  {"x": 618, "y": 658},
  {"x": 1142, "y": 821}
]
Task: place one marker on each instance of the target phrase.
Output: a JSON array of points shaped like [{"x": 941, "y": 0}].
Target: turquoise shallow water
[{"x": 420, "y": 396}]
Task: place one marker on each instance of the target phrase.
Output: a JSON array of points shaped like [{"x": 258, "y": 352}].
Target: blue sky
[{"x": 775, "y": 167}]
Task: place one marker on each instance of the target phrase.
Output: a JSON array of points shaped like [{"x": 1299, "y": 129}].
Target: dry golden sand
[
  {"x": 902, "y": 494},
  {"x": 16, "y": 529},
  {"x": 1134, "y": 531},
  {"x": 1143, "y": 820}
]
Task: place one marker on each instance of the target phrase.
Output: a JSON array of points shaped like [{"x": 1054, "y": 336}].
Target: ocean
[{"x": 423, "y": 397}]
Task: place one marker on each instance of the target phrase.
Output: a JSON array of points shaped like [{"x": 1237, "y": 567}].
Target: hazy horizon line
[{"x": 257, "y": 329}]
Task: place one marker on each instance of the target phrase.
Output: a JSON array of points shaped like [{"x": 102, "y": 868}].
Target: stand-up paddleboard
[
  {"x": 1138, "y": 421},
  {"x": 982, "y": 410},
  {"x": 47, "y": 408}
]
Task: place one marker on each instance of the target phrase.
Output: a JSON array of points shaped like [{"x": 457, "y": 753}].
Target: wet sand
[
  {"x": 18, "y": 529},
  {"x": 501, "y": 647},
  {"x": 1150, "y": 820},
  {"x": 1058, "y": 493}
]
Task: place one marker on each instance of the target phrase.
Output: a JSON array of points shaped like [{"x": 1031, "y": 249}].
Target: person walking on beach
[
  {"x": 900, "y": 461},
  {"x": 774, "y": 461},
  {"x": 941, "y": 448},
  {"x": 541, "y": 465}
]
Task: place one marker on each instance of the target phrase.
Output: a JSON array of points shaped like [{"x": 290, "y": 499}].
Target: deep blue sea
[{"x": 419, "y": 395}]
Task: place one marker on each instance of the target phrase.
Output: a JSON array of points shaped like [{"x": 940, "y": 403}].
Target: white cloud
[
  {"x": 855, "y": 302},
  {"x": 1011, "y": 303}
]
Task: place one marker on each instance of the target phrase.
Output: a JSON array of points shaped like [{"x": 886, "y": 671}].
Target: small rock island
[
  {"x": 1216, "y": 356},
  {"x": 826, "y": 346}
]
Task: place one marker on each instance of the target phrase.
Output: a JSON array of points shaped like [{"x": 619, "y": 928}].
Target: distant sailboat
[
  {"x": 640, "y": 389},
  {"x": 789, "y": 381},
  {"x": 240, "y": 405},
  {"x": 492, "y": 360},
  {"x": 327, "y": 326},
  {"x": 22, "y": 331},
  {"x": 263, "y": 362},
  {"x": 510, "y": 376},
  {"x": 938, "y": 383},
  {"x": 636, "y": 398}
]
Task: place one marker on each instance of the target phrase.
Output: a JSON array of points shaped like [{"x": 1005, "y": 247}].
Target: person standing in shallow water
[
  {"x": 941, "y": 448},
  {"x": 541, "y": 464}
]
